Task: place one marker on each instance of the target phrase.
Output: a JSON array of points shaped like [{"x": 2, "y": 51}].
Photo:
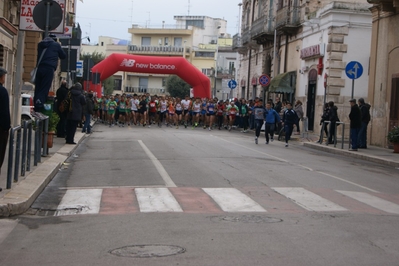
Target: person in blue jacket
[
  {"x": 46, "y": 69},
  {"x": 259, "y": 112},
  {"x": 272, "y": 117},
  {"x": 289, "y": 119}
]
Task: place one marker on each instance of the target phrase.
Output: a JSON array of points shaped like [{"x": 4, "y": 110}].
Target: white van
[{"x": 27, "y": 107}]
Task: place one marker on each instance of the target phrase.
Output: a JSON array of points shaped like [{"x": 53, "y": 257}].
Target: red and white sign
[
  {"x": 26, "y": 18},
  {"x": 312, "y": 51}
]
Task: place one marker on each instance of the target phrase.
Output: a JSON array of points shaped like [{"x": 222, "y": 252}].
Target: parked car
[{"x": 27, "y": 107}]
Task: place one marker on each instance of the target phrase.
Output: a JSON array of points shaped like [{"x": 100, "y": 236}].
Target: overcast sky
[{"x": 113, "y": 18}]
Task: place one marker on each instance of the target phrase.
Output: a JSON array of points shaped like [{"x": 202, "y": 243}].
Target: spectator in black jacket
[
  {"x": 88, "y": 111},
  {"x": 333, "y": 118},
  {"x": 5, "y": 118},
  {"x": 365, "y": 111},
  {"x": 74, "y": 115},
  {"x": 355, "y": 117},
  {"x": 45, "y": 70},
  {"x": 61, "y": 94}
]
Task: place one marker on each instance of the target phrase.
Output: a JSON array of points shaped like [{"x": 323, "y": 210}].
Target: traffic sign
[
  {"x": 354, "y": 70},
  {"x": 45, "y": 8},
  {"x": 264, "y": 80},
  {"x": 232, "y": 84}
]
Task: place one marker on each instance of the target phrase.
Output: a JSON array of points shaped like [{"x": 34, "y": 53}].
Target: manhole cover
[
  {"x": 147, "y": 251},
  {"x": 246, "y": 219}
]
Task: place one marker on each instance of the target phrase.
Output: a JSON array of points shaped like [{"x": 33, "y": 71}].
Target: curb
[
  {"x": 22, "y": 196},
  {"x": 357, "y": 155}
]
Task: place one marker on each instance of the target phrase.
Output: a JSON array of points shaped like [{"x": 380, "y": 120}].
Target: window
[
  {"x": 164, "y": 82},
  {"x": 166, "y": 42},
  {"x": 178, "y": 41},
  {"x": 207, "y": 71},
  {"x": 143, "y": 84},
  {"x": 231, "y": 68},
  {"x": 195, "y": 23},
  {"x": 145, "y": 41}
]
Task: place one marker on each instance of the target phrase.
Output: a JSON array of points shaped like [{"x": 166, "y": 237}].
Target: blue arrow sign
[
  {"x": 232, "y": 84},
  {"x": 354, "y": 70}
]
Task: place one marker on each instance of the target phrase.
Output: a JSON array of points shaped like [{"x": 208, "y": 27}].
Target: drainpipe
[{"x": 249, "y": 72}]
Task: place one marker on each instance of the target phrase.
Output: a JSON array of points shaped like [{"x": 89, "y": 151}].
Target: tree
[
  {"x": 109, "y": 85},
  {"x": 177, "y": 87}
]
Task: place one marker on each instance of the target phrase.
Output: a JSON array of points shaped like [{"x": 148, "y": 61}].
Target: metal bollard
[
  {"x": 342, "y": 134},
  {"x": 26, "y": 151},
  {"x": 41, "y": 122},
  {"x": 11, "y": 155},
  {"x": 305, "y": 126}
]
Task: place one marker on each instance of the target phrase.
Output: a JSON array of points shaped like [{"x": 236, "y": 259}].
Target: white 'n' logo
[{"x": 128, "y": 62}]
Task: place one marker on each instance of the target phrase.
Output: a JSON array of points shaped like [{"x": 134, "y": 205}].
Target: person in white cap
[{"x": 5, "y": 121}]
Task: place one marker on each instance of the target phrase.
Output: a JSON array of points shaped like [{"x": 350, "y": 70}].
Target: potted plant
[
  {"x": 393, "y": 137},
  {"x": 52, "y": 128}
]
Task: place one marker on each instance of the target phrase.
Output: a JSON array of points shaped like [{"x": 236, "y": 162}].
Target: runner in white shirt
[
  {"x": 186, "y": 109},
  {"x": 134, "y": 103}
]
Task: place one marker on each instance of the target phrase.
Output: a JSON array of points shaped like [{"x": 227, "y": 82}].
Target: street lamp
[{"x": 216, "y": 62}]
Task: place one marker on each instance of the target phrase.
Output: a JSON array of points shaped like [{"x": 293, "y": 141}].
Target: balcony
[
  {"x": 247, "y": 40},
  {"x": 158, "y": 50},
  {"x": 237, "y": 44},
  {"x": 139, "y": 90},
  {"x": 288, "y": 19},
  {"x": 262, "y": 30}
]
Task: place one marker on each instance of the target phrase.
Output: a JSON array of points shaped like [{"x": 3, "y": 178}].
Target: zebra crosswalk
[{"x": 221, "y": 200}]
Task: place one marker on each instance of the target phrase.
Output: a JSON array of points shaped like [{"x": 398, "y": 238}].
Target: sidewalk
[
  {"x": 20, "y": 197},
  {"x": 22, "y": 194}
]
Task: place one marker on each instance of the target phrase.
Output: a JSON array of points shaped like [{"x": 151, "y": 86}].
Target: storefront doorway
[{"x": 311, "y": 102}]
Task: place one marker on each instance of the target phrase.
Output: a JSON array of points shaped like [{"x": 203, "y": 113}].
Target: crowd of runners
[{"x": 146, "y": 110}]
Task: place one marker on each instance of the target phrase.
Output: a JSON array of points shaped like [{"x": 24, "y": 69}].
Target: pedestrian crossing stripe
[{"x": 220, "y": 200}]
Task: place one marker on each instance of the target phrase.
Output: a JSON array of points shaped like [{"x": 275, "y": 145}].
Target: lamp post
[{"x": 216, "y": 61}]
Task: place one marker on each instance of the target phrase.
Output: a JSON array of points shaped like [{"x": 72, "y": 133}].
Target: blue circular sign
[
  {"x": 264, "y": 80},
  {"x": 232, "y": 84},
  {"x": 354, "y": 70}
]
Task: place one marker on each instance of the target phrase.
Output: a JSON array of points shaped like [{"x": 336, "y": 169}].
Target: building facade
[
  {"x": 304, "y": 47},
  {"x": 383, "y": 87}
]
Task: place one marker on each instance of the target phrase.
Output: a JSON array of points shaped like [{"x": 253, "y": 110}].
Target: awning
[{"x": 283, "y": 83}]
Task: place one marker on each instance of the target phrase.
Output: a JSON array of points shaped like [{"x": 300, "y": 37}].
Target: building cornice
[{"x": 7, "y": 26}]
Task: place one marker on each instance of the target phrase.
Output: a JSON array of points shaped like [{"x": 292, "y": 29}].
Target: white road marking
[
  {"x": 233, "y": 200},
  {"x": 161, "y": 170},
  {"x": 156, "y": 200},
  {"x": 349, "y": 182},
  {"x": 81, "y": 201},
  {"x": 308, "y": 200},
  {"x": 308, "y": 168},
  {"x": 372, "y": 201}
]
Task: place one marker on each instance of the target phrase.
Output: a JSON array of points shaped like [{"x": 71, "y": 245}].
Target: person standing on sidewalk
[
  {"x": 88, "y": 111},
  {"x": 5, "y": 118},
  {"x": 299, "y": 111},
  {"x": 61, "y": 94},
  {"x": 333, "y": 118},
  {"x": 259, "y": 116},
  {"x": 272, "y": 117},
  {"x": 355, "y": 117},
  {"x": 74, "y": 115},
  {"x": 289, "y": 119},
  {"x": 365, "y": 111}
]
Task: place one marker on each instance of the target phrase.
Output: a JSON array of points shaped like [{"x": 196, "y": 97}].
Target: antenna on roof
[{"x": 189, "y": 7}]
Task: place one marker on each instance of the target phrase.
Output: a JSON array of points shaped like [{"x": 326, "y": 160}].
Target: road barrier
[
  {"x": 15, "y": 161},
  {"x": 326, "y": 123}
]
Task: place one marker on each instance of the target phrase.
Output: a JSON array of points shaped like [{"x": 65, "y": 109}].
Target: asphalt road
[{"x": 206, "y": 198}]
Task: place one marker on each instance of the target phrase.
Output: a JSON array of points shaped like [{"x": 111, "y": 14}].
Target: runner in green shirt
[{"x": 111, "y": 110}]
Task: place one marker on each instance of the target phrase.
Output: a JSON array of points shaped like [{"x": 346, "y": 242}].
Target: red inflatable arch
[{"x": 156, "y": 65}]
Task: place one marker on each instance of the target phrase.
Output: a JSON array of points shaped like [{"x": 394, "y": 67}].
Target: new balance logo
[{"x": 128, "y": 62}]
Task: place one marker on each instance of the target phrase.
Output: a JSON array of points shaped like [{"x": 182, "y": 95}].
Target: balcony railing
[
  {"x": 157, "y": 49},
  {"x": 237, "y": 43},
  {"x": 139, "y": 90},
  {"x": 246, "y": 35},
  {"x": 288, "y": 17},
  {"x": 262, "y": 26}
]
